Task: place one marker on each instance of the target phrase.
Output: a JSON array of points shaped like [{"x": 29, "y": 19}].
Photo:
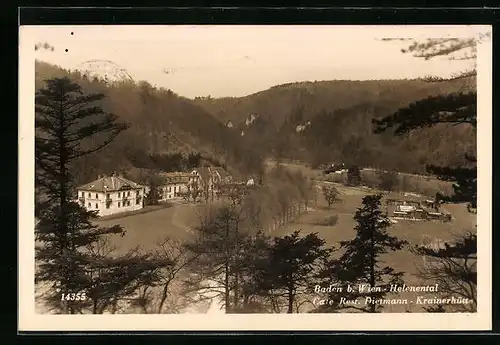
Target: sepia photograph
[{"x": 222, "y": 177}]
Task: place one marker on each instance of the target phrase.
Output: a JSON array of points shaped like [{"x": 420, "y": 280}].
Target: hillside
[
  {"x": 316, "y": 122},
  {"x": 277, "y": 103},
  {"x": 331, "y": 120},
  {"x": 161, "y": 122}
]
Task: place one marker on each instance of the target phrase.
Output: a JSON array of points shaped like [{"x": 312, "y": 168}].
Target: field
[
  {"x": 147, "y": 229},
  {"x": 425, "y": 185},
  {"x": 415, "y": 232}
]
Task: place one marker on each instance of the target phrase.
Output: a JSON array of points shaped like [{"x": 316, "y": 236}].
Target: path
[{"x": 176, "y": 221}]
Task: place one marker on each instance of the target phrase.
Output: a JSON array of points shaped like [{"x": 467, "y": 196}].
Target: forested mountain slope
[
  {"x": 332, "y": 120},
  {"x": 161, "y": 122}
]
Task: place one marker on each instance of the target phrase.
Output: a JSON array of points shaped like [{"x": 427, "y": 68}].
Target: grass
[
  {"x": 428, "y": 186},
  {"x": 413, "y": 232},
  {"x": 145, "y": 209},
  {"x": 146, "y": 229},
  {"x": 329, "y": 220}
]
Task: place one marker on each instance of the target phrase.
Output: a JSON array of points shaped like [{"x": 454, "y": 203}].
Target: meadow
[
  {"x": 424, "y": 185},
  {"x": 148, "y": 229},
  {"x": 415, "y": 232}
]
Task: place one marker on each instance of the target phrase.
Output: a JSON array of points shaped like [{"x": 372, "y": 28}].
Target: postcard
[{"x": 295, "y": 177}]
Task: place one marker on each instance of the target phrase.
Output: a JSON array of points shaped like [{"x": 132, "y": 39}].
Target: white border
[{"x": 30, "y": 321}]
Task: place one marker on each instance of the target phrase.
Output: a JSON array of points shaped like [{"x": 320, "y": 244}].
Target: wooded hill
[
  {"x": 161, "y": 122},
  {"x": 334, "y": 118},
  {"x": 327, "y": 121}
]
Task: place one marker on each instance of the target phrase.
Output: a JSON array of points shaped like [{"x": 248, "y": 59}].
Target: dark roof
[
  {"x": 204, "y": 172},
  {"x": 223, "y": 173},
  {"x": 175, "y": 177},
  {"x": 207, "y": 172},
  {"x": 109, "y": 184}
]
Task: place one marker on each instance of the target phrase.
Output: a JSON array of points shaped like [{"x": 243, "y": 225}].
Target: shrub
[{"x": 328, "y": 221}]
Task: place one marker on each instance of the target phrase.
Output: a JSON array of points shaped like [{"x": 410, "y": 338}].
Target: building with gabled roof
[
  {"x": 111, "y": 195},
  {"x": 208, "y": 180},
  {"x": 221, "y": 174},
  {"x": 174, "y": 185}
]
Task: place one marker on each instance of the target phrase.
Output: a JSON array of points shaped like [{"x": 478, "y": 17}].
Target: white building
[
  {"x": 111, "y": 195},
  {"x": 174, "y": 184}
]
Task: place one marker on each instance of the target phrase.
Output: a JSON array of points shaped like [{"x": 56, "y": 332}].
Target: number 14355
[{"x": 80, "y": 296}]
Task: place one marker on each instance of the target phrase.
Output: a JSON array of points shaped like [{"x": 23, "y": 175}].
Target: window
[
  {"x": 107, "y": 205},
  {"x": 96, "y": 205},
  {"x": 128, "y": 193},
  {"x": 118, "y": 204},
  {"x": 89, "y": 195},
  {"x": 169, "y": 189},
  {"x": 119, "y": 194},
  {"x": 108, "y": 196},
  {"x": 83, "y": 194},
  {"x": 128, "y": 203},
  {"x": 96, "y": 196},
  {"x": 90, "y": 205}
]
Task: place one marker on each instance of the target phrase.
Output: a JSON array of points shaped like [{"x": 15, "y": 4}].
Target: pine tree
[
  {"x": 452, "y": 266},
  {"x": 255, "y": 259},
  {"x": 69, "y": 126},
  {"x": 454, "y": 269},
  {"x": 292, "y": 266},
  {"x": 457, "y": 109},
  {"x": 359, "y": 266}
]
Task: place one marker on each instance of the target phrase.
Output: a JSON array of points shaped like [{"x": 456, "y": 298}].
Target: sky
[{"x": 235, "y": 61}]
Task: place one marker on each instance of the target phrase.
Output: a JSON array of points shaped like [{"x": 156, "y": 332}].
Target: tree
[
  {"x": 388, "y": 180},
  {"x": 330, "y": 193},
  {"x": 292, "y": 266},
  {"x": 236, "y": 193},
  {"x": 254, "y": 261},
  {"x": 153, "y": 196},
  {"x": 454, "y": 269},
  {"x": 306, "y": 188},
  {"x": 176, "y": 258},
  {"x": 465, "y": 186},
  {"x": 193, "y": 160},
  {"x": 353, "y": 176},
  {"x": 359, "y": 264},
  {"x": 194, "y": 191},
  {"x": 112, "y": 278},
  {"x": 450, "y": 266},
  {"x": 69, "y": 126},
  {"x": 453, "y": 108},
  {"x": 218, "y": 246},
  {"x": 456, "y": 109}
]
